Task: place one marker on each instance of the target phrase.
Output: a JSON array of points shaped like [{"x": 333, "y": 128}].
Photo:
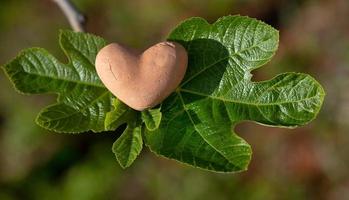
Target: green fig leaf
[
  {"x": 198, "y": 120},
  {"x": 83, "y": 101},
  {"x": 195, "y": 124}
]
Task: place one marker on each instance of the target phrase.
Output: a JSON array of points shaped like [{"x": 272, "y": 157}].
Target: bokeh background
[{"x": 311, "y": 162}]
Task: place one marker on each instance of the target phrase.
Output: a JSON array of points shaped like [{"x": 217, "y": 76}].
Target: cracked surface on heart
[{"x": 142, "y": 81}]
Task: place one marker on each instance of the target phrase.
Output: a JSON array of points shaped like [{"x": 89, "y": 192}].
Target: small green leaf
[
  {"x": 152, "y": 118},
  {"x": 83, "y": 100},
  {"x": 217, "y": 93},
  {"x": 128, "y": 146},
  {"x": 119, "y": 115}
]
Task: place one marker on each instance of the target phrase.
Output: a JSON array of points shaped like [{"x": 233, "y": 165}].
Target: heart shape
[{"x": 142, "y": 81}]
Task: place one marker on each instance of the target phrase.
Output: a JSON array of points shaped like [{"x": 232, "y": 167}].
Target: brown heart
[{"x": 142, "y": 81}]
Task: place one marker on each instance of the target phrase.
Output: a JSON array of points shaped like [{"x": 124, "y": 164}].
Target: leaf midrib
[
  {"x": 241, "y": 102},
  {"x": 63, "y": 79},
  {"x": 133, "y": 145}
]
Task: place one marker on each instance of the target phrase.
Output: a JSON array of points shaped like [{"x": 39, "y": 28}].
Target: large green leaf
[
  {"x": 195, "y": 124},
  {"x": 83, "y": 100},
  {"x": 217, "y": 93}
]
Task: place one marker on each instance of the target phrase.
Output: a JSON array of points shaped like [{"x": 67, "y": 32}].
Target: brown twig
[{"x": 75, "y": 18}]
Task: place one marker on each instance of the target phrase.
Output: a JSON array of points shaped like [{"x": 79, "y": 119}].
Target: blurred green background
[{"x": 311, "y": 162}]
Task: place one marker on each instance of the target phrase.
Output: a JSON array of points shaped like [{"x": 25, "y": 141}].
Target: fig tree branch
[{"x": 75, "y": 18}]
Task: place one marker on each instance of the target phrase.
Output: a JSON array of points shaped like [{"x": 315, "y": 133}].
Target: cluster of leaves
[{"x": 195, "y": 124}]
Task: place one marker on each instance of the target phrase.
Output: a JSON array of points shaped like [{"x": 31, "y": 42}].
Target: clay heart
[{"x": 142, "y": 81}]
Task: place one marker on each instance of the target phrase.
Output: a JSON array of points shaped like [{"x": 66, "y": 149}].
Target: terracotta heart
[{"x": 142, "y": 81}]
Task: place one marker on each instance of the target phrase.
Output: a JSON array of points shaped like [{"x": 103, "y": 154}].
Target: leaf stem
[{"x": 75, "y": 18}]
